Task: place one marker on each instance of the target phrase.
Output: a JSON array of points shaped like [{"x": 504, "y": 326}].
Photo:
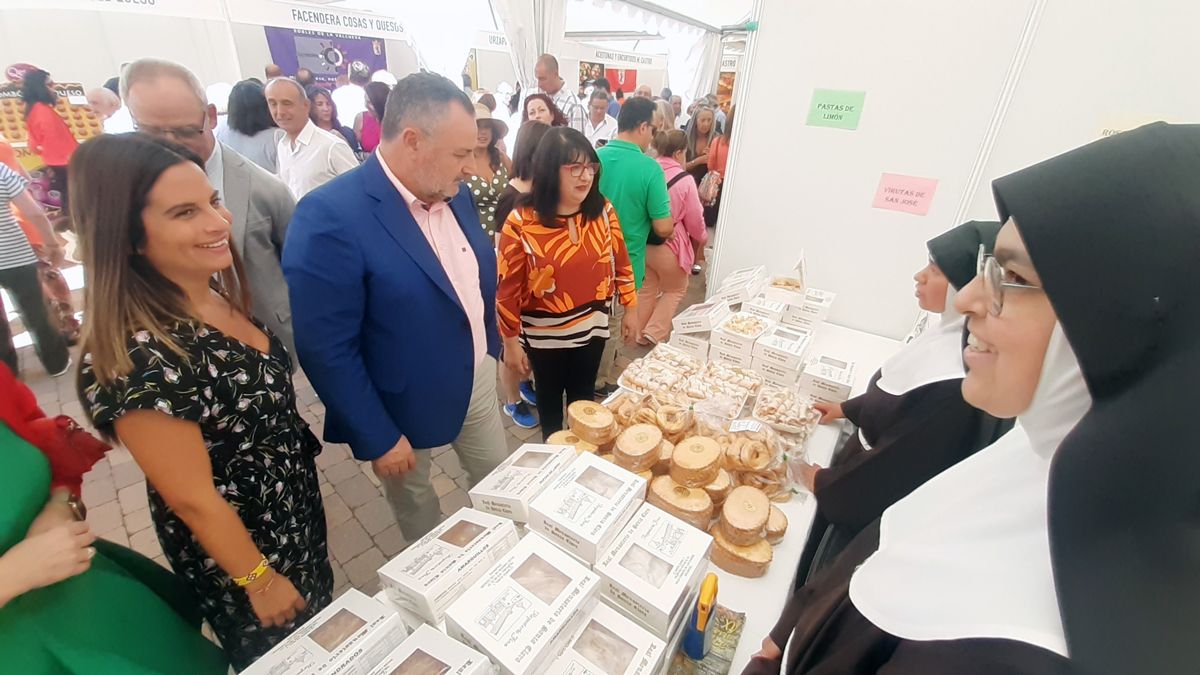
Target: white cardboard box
[
  {"x": 768, "y": 309},
  {"x": 428, "y": 652},
  {"x": 411, "y": 621},
  {"x": 429, "y": 575},
  {"x": 736, "y": 343},
  {"x": 349, "y": 637},
  {"x": 651, "y": 570},
  {"x": 694, "y": 345},
  {"x": 772, "y": 374},
  {"x": 813, "y": 312},
  {"x": 521, "y": 612},
  {"x": 784, "y": 347},
  {"x": 741, "y": 358},
  {"x": 744, "y": 274},
  {"x": 828, "y": 379},
  {"x": 586, "y": 506},
  {"x": 607, "y": 643},
  {"x": 508, "y": 490},
  {"x": 739, "y": 291},
  {"x": 700, "y": 318}
]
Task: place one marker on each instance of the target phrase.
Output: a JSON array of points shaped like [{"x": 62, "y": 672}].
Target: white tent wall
[
  {"x": 89, "y": 47},
  {"x": 933, "y": 71},
  {"x": 958, "y": 91},
  {"x": 1095, "y": 68},
  {"x": 533, "y": 28}
]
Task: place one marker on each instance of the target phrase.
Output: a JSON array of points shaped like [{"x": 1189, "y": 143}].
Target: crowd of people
[
  {"x": 406, "y": 263},
  {"x": 428, "y": 284}
]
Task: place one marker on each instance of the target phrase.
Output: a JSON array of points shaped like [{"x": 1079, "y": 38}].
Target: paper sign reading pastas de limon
[
  {"x": 836, "y": 108},
  {"x": 910, "y": 194}
]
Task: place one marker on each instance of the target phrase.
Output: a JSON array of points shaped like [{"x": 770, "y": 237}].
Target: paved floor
[{"x": 363, "y": 533}]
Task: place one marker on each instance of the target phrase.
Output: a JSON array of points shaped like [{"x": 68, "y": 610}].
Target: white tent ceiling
[{"x": 580, "y": 14}]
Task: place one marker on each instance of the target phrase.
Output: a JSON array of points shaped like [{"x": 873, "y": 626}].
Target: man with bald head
[
  {"x": 308, "y": 155},
  {"x": 272, "y": 71},
  {"x": 644, "y": 92},
  {"x": 551, "y": 84},
  {"x": 167, "y": 100},
  {"x": 105, "y": 103}
]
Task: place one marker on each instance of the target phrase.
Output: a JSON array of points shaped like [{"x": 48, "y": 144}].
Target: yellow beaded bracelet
[{"x": 255, "y": 574}]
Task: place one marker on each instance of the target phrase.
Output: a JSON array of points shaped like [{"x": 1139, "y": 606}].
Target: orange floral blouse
[{"x": 554, "y": 291}]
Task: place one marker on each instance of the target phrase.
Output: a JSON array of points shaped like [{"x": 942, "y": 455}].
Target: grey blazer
[{"x": 261, "y": 206}]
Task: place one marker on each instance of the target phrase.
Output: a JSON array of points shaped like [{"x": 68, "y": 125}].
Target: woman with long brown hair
[{"x": 201, "y": 394}]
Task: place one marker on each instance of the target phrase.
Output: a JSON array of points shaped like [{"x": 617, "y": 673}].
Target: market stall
[{"x": 601, "y": 548}]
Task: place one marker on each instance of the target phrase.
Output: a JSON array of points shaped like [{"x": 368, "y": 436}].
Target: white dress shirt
[
  {"x": 120, "y": 122},
  {"x": 316, "y": 157},
  {"x": 605, "y": 131}
]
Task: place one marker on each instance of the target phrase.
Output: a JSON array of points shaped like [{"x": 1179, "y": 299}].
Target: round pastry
[
  {"x": 690, "y": 505},
  {"x": 777, "y": 524},
  {"x": 637, "y": 447},
  {"x": 673, "y": 419},
  {"x": 720, "y": 488},
  {"x": 744, "y": 561},
  {"x": 591, "y": 422},
  {"x": 696, "y": 461},
  {"x": 663, "y": 465},
  {"x": 566, "y": 437},
  {"x": 744, "y": 515}
]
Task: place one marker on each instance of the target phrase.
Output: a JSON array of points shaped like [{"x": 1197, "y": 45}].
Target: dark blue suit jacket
[{"x": 380, "y": 331}]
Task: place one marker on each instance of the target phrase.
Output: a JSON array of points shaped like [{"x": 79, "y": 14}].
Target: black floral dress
[{"x": 262, "y": 455}]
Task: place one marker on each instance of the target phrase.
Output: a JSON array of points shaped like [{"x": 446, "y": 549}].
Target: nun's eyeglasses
[{"x": 992, "y": 274}]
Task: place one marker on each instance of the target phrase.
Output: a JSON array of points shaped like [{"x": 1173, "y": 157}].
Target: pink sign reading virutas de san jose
[{"x": 910, "y": 194}]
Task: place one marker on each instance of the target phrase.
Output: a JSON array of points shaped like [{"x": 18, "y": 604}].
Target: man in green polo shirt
[
  {"x": 637, "y": 188},
  {"x": 635, "y": 183}
]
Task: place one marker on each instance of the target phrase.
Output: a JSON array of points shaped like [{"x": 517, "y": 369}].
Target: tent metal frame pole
[{"x": 662, "y": 11}]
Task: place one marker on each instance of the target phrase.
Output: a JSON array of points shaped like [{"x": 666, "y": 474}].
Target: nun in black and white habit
[
  {"x": 912, "y": 420},
  {"x": 1072, "y": 544}
]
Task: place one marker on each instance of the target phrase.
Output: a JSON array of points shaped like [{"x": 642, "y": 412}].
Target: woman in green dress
[{"x": 73, "y": 604}]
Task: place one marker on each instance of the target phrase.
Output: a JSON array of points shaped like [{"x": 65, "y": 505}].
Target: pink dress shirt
[
  {"x": 687, "y": 212},
  {"x": 450, "y": 246}
]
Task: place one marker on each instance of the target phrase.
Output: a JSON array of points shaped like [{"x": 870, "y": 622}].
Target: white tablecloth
[{"x": 762, "y": 599}]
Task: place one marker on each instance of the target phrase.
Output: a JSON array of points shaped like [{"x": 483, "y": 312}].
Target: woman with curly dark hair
[{"x": 541, "y": 108}]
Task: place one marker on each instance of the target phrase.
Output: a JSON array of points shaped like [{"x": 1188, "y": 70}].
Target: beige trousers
[
  {"x": 480, "y": 447},
  {"x": 665, "y": 276}
]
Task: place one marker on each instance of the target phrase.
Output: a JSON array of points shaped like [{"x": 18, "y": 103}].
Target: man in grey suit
[{"x": 167, "y": 100}]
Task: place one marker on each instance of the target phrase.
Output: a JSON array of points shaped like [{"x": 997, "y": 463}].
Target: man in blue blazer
[{"x": 393, "y": 288}]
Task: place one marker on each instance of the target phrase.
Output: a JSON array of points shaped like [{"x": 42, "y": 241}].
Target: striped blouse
[
  {"x": 555, "y": 292},
  {"x": 15, "y": 250}
]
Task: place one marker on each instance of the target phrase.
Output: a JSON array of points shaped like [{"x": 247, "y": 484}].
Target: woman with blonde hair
[{"x": 175, "y": 368}]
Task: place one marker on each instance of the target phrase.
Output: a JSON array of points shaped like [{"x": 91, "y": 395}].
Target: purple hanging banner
[{"x": 327, "y": 55}]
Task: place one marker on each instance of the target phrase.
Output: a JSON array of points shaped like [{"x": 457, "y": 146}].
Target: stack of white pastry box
[
  {"x": 790, "y": 312},
  {"x": 600, "y": 583}
]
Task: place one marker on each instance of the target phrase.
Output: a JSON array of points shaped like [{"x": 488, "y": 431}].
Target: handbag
[
  {"x": 652, "y": 239},
  {"x": 710, "y": 188}
]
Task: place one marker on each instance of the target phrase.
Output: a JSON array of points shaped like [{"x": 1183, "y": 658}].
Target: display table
[{"x": 762, "y": 599}]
